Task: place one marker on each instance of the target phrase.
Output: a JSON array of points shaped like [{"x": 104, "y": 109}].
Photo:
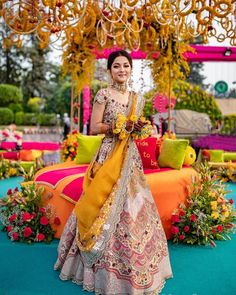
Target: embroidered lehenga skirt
[{"x": 131, "y": 254}]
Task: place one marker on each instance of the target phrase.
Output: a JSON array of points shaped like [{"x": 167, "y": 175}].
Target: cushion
[
  {"x": 229, "y": 157},
  {"x": 190, "y": 156},
  {"x": 26, "y": 155},
  {"x": 87, "y": 147},
  {"x": 36, "y": 154},
  {"x": 147, "y": 151},
  {"x": 216, "y": 156},
  {"x": 172, "y": 153}
]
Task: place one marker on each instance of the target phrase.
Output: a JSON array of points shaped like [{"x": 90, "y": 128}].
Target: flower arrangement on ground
[
  {"x": 208, "y": 216},
  {"x": 120, "y": 127},
  {"x": 8, "y": 168},
  {"x": 69, "y": 146},
  {"x": 226, "y": 174},
  {"x": 24, "y": 218}
]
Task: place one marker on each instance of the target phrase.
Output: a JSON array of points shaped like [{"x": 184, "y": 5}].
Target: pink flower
[
  {"x": 12, "y": 217},
  {"x": 181, "y": 213},
  {"x": 231, "y": 201},
  {"x": 40, "y": 237},
  {"x": 57, "y": 220},
  {"x": 15, "y": 236},
  {"x": 175, "y": 218},
  {"x": 27, "y": 232},
  {"x": 181, "y": 237},
  {"x": 193, "y": 217},
  {"x": 186, "y": 228},
  {"x": 44, "y": 220},
  {"x": 42, "y": 210},
  {"x": 9, "y": 192},
  {"x": 174, "y": 230},
  {"x": 220, "y": 228},
  {"x": 213, "y": 230},
  {"x": 5, "y": 134},
  {"x": 26, "y": 217},
  {"x": 9, "y": 228}
]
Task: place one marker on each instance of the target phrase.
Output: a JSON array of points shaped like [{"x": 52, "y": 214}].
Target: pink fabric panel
[
  {"x": 8, "y": 145},
  {"x": 52, "y": 177},
  {"x": 73, "y": 190},
  {"x": 51, "y": 146}
]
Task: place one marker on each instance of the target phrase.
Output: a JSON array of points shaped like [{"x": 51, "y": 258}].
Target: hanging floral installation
[{"x": 153, "y": 26}]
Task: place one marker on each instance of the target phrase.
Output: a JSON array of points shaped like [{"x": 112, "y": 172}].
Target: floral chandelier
[{"x": 122, "y": 20}]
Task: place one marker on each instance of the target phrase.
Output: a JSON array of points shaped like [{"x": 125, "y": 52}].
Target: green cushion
[
  {"x": 26, "y": 165},
  {"x": 229, "y": 156},
  {"x": 173, "y": 153},
  {"x": 88, "y": 146},
  {"x": 216, "y": 156}
]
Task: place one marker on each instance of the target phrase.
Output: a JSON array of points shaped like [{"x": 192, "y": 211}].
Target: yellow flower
[
  {"x": 212, "y": 194},
  {"x": 225, "y": 213},
  {"x": 213, "y": 205},
  {"x": 142, "y": 119},
  {"x": 215, "y": 214},
  {"x": 133, "y": 118},
  {"x": 12, "y": 172},
  {"x": 224, "y": 207},
  {"x": 116, "y": 131},
  {"x": 119, "y": 125}
]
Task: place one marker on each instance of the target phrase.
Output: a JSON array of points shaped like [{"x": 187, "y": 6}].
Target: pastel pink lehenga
[{"x": 131, "y": 254}]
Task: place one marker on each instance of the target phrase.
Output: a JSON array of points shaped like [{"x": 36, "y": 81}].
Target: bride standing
[{"x": 113, "y": 242}]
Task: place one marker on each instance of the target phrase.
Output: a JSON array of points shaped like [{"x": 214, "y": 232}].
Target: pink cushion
[{"x": 10, "y": 155}]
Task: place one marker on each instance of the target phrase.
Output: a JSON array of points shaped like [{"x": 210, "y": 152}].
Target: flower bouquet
[
  {"x": 120, "y": 127},
  {"x": 69, "y": 146},
  {"x": 208, "y": 215},
  {"x": 24, "y": 218}
]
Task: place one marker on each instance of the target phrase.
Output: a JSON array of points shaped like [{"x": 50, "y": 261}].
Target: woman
[{"x": 113, "y": 242}]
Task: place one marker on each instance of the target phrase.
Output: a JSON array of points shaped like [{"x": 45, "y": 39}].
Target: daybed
[{"x": 63, "y": 187}]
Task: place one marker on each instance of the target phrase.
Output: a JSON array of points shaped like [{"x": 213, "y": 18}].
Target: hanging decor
[{"x": 82, "y": 28}]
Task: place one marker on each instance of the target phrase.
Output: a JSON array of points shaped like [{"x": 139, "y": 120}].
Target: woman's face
[{"x": 120, "y": 69}]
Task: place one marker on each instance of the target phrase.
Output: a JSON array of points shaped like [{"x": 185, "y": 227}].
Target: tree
[
  {"x": 11, "y": 60},
  {"x": 36, "y": 104},
  {"x": 195, "y": 75},
  {"x": 37, "y": 80},
  {"x": 10, "y": 94}
]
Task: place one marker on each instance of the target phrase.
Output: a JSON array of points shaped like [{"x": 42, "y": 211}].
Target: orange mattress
[{"x": 169, "y": 189}]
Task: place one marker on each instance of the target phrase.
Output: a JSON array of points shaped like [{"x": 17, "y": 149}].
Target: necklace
[{"x": 122, "y": 88}]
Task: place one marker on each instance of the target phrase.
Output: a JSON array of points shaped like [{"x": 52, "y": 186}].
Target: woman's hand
[
  {"x": 139, "y": 125},
  {"x": 129, "y": 126}
]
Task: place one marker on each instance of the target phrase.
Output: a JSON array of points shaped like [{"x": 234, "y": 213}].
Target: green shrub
[
  {"x": 229, "y": 124},
  {"x": 192, "y": 97},
  {"x": 15, "y": 107},
  {"x": 10, "y": 94},
  {"x": 19, "y": 118},
  {"x": 47, "y": 119},
  {"x": 30, "y": 119},
  {"x": 6, "y": 116}
]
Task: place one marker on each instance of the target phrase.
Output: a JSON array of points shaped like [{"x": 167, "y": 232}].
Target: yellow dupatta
[{"x": 94, "y": 205}]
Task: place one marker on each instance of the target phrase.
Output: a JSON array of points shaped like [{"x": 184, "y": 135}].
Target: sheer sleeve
[{"x": 101, "y": 96}]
